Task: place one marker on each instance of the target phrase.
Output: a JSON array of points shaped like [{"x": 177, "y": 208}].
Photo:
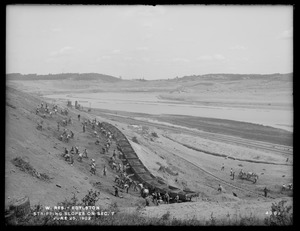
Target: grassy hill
[
  {"x": 64, "y": 76},
  {"x": 287, "y": 76}
]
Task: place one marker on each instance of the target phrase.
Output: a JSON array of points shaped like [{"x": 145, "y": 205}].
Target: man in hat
[
  {"x": 167, "y": 197},
  {"x": 85, "y": 153},
  {"x": 116, "y": 191},
  {"x": 266, "y": 191},
  {"x": 80, "y": 157},
  {"x": 104, "y": 170},
  {"x": 93, "y": 167}
]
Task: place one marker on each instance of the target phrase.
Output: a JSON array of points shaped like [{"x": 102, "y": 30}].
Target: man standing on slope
[{"x": 266, "y": 191}]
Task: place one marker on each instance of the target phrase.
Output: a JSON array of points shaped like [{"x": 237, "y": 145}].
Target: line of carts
[{"x": 142, "y": 174}]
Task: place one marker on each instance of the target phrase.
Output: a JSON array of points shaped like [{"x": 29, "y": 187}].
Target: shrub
[
  {"x": 45, "y": 177},
  {"x": 26, "y": 167},
  {"x": 211, "y": 221},
  {"x": 154, "y": 134},
  {"x": 134, "y": 139},
  {"x": 114, "y": 207},
  {"x": 91, "y": 198},
  {"x": 281, "y": 214},
  {"x": 166, "y": 216}
]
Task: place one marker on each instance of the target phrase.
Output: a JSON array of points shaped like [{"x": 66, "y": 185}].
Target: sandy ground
[{"x": 187, "y": 157}]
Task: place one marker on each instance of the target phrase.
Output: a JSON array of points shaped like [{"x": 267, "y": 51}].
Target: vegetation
[
  {"x": 134, "y": 139},
  {"x": 91, "y": 198},
  {"x": 154, "y": 134},
  {"x": 26, "y": 167},
  {"x": 10, "y": 105},
  {"x": 63, "y": 76},
  {"x": 281, "y": 215}
]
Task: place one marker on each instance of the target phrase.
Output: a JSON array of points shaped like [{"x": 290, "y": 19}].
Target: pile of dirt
[{"x": 168, "y": 170}]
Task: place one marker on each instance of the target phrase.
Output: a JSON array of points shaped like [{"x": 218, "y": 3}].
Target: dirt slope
[
  {"x": 42, "y": 150},
  {"x": 169, "y": 160}
]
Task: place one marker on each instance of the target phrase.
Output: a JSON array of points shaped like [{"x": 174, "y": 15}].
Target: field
[{"x": 192, "y": 148}]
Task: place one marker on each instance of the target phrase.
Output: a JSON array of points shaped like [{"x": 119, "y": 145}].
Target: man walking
[
  {"x": 116, "y": 191},
  {"x": 167, "y": 197},
  {"x": 85, "y": 153},
  {"x": 147, "y": 201},
  {"x": 126, "y": 187},
  {"x": 266, "y": 191},
  {"x": 222, "y": 169},
  {"x": 104, "y": 170}
]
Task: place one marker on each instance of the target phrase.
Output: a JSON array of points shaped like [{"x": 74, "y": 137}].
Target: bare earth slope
[{"x": 185, "y": 153}]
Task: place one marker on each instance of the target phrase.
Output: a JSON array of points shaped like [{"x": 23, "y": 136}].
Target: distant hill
[
  {"x": 63, "y": 76},
  {"x": 236, "y": 76}
]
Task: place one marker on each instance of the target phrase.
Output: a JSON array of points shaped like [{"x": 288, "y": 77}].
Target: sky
[{"x": 150, "y": 42}]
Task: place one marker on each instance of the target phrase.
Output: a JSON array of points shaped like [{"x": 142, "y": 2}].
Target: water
[{"x": 149, "y": 104}]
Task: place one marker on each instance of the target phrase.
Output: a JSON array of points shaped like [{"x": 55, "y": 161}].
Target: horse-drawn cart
[{"x": 251, "y": 176}]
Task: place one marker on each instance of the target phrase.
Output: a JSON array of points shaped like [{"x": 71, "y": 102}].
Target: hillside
[
  {"x": 64, "y": 76},
  {"x": 167, "y": 155},
  {"x": 42, "y": 150},
  {"x": 232, "y": 77}
]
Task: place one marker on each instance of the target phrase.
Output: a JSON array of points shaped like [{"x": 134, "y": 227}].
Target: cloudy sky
[{"x": 151, "y": 42}]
